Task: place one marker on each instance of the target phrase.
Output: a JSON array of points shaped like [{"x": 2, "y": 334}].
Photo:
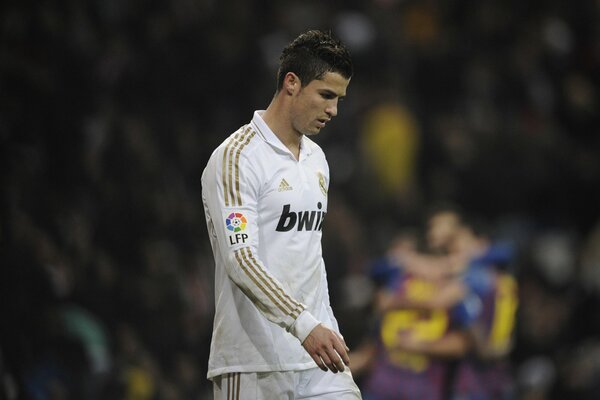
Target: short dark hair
[
  {"x": 477, "y": 223},
  {"x": 311, "y": 55},
  {"x": 445, "y": 207}
]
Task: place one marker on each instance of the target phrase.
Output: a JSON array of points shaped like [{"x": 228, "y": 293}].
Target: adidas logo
[{"x": 283, "y": 186}]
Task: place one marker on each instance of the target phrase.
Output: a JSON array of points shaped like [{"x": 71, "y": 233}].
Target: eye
[{"x": 328, "y": 95}]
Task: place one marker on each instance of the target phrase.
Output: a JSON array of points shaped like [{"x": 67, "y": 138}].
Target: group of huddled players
[{"x": 445, "y": 315}]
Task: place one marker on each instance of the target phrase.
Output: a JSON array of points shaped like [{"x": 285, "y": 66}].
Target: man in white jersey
[{"x": 264, "y": 191}]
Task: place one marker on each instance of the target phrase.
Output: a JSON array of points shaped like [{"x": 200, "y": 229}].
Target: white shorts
[{"x": 290, "y": 385}]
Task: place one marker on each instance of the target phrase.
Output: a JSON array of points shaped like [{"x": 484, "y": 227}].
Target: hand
[
  {"x": 384, "y": 301},
  {"x": 406, "y": 341},
  {"x": 327, "y": 348}
]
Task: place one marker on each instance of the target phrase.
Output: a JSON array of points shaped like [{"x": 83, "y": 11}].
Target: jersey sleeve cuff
[{"x": 304, "y": 324}]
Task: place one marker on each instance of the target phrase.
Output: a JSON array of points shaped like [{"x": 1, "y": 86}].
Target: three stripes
[
  {"x": 266, "y": 284},
  {"x": 233, "y": 386},
  {"x": 230, "y": 169}
]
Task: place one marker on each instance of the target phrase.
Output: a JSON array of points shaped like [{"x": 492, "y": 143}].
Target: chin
[
  {"x": 309, "y": 130},
  {"x": 314, "y": 131}
]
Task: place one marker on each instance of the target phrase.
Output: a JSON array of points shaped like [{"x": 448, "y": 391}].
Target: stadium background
[{"x": 110, "y": 109}]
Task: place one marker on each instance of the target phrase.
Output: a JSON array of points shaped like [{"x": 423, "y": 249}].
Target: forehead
[
  {"x": 448, "y": 218},
  {"x": 331, "y": 81}
]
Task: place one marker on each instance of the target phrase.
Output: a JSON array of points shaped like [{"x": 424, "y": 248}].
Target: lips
[{"x": 322, "y": 122}]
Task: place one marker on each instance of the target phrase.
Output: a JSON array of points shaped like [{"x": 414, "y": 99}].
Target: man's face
[
  {"x": 442, "y": 228},
  {"x": 316, "y": 103}
]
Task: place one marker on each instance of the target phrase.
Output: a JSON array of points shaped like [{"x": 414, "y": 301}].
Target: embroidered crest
[{"x": 322, "y": 183}]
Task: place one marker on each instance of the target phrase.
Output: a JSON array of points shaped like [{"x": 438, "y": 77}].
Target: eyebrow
[{"x": 331, "y": 92}]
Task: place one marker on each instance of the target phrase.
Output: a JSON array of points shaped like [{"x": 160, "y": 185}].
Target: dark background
[{"x": 110, "y": 109}]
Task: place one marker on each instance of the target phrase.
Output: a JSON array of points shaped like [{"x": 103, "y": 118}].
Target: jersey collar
[{"x": 267, "y": 134}]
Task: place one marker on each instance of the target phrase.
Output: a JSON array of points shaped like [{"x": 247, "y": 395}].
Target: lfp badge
[{"x": 236, "y": 222}]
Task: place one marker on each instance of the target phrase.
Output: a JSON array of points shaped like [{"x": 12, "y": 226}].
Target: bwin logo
[{"x": 303, "y": 220}]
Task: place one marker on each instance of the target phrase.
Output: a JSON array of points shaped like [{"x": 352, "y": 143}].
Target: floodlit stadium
[{"x": 458, "y": 218}]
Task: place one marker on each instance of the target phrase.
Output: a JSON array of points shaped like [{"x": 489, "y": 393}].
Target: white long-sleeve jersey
[{"x": 264, "y": 212}]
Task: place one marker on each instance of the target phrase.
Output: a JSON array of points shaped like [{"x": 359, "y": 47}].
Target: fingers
[
  {"x": 328, "y": 360},
  {"x": 342, "y": 350},
  {"x": 335, "y": 355},
  {"x": 327, "y": 349},
  {"x": 345, "y": 359},
  {"x": 319, "y": 362}
]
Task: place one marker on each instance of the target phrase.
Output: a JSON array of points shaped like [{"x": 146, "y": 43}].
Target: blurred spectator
[
  {"x": 108, "y": 112},
  {"x": 390, "y": 141}
]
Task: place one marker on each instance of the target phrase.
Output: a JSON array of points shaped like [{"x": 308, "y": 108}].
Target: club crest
[{"x": 322, "y": 183}]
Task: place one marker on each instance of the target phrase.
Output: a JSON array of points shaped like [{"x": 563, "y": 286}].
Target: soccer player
[
  {"x": 483, "y": 371},
  {"x": 264, "y": 191},
  {"x": 426, "y": 313},
  {"x": 395, "y": 369}
]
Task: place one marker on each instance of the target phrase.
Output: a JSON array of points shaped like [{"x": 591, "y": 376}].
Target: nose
[{"x": 332, "y": 109}]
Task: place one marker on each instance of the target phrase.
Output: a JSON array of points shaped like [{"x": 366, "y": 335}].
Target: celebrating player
[
  {"x": 265, "y": 197},
  {"x": 446, "y": 316}
]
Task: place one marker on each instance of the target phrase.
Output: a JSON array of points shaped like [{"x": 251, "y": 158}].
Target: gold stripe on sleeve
[
  {"x": 224, "y": 175},
  {"x": 237, "y": 166},
  {"x": 226, "y": 165},
  {"x": 230, "y": 173},
  {"x": 237, "y": 393},
  {"x": 293, "y": 304},
  {"x": 260, "y": 286},
  {"x": 237, "y": 141},
  {"x": 229, "y": 169},
  {"x": 260, "y": 273}
]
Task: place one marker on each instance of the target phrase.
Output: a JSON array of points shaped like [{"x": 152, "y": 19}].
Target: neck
[{"x": 277, "y": 119}]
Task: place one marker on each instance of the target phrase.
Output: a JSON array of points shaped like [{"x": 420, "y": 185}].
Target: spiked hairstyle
[{"x": 311, "y": 55}]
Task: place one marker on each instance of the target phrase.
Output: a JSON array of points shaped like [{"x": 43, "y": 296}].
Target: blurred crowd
[{"x": 110, "y": 109}]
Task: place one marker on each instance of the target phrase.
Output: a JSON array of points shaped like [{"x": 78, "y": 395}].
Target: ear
[{"x": 291, "y": 83}]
